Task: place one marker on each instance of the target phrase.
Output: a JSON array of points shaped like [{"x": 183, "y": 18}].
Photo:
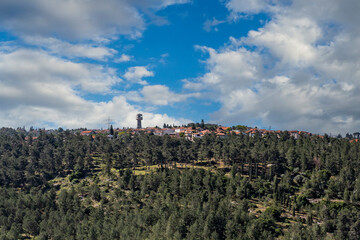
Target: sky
[{"x": 279, "y": 64}]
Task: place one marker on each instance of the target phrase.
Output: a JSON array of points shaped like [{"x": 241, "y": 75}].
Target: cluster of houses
[
  {"x": 185, "y": 132},
  {"x": 189, "y": 133},
  {"x": 192, "y": 133},
  {"x": 295, "y": 134}
]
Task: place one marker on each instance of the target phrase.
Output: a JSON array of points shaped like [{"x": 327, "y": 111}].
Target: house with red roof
[{"x": 87, "y": 133}]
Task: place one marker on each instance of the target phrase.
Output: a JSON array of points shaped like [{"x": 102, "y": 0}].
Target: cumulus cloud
[
  {"x": 298, "y": 71},
  {"x": 47, "y": 83},
  {"x": 76, "y": 19},
  {"x": 62, "y": 48},
  {"x": 292, "y": 40},
  {"x": 239, "y": 8},
  {"x": 42, "y": 90},
  {"x": 83, "y": 114},
  {"x": 71, "y": 20},
  {"x": 237, "y": 68},
  {"x": 136, "y": 74},
  {"x": 123, "y": 58},
  {"x": 29, "y": 67},
  {"x": 161, "y": 95}
]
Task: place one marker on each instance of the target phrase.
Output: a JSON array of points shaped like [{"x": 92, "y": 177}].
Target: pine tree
[{"x": 111, "y": 130}]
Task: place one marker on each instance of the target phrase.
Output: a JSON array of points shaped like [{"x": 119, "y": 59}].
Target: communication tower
[{"x": 139, "y": 117}]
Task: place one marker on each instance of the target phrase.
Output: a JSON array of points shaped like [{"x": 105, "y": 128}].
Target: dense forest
[{"x": 67, "y": 186}]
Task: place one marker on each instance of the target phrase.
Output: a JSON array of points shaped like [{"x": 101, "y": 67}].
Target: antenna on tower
[{"x": 108, "y": 122}]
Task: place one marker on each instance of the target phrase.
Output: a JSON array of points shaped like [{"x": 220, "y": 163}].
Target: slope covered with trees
[{"x": 65, "y": 186}]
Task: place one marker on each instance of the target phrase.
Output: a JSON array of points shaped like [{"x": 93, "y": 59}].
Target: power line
[{"x": 108, "y": 121}]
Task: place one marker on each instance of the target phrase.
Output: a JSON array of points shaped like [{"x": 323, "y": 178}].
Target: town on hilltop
[{"x": 190, "y": 131}]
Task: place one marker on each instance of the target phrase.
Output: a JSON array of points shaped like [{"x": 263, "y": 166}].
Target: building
[{"x": 87, "y": 133}]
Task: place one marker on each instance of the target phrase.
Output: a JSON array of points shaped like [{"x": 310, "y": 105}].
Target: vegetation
[{"x": 66, "y": 186}]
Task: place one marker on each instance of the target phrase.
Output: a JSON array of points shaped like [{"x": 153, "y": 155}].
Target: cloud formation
[
  {"x": 249, "y": 6},
  {"x": 211, "y": 24},
  {"x": 136, "y": 74},
  {"x": 161, "y": 95},
  {"x": 56, "y": 61},
  {"x": 299, "y": 71},
  {"x": 66, "y": 49},
  {"x": 123, "y": 58},
  {"x": 46, "y": 91},
  {"x": 78, "y": 20}
]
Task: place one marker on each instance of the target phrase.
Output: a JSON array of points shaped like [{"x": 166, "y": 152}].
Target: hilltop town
[{"x": 192, "y": 133}]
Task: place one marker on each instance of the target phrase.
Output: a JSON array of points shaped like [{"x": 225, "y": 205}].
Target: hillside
[{"x": 272, "y": 186}]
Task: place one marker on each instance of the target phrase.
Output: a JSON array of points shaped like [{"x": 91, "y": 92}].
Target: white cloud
[
  {"x": 47, "y": 83},
  {"x": 66, "y": 49},
  {"x": 123, "y": 58},
  {"x": 163, "y": 58},
  {"x": 166, "y": 3},
  {"x": 83, "y": 114},
  {"x": 293, "y": 40},
  {"x": 299, "y": 71},
  {"x": 71, "y": 20},
  {"x": 237, "y": 68},
  {"x": 161, "y": 95},
  {"x": 136, "y": 74},
  {"x": 76, "y": 19},
  {"x": 37, "y": 69},
  {"x": 211, "y": 24},
  {"x": 42, "y": 90},
  {"x": 244, "y": 7}
]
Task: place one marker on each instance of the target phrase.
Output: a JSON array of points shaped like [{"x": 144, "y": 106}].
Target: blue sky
[{"x": 288, "y": 64}]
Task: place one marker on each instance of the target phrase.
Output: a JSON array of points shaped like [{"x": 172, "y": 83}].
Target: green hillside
[{"x": 66, "y": 186}]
